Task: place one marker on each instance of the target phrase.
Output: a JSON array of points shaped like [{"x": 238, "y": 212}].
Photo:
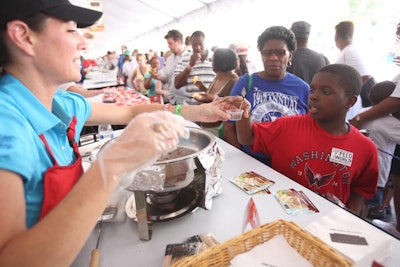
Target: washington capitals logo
[{"x": 318, "y": 179}]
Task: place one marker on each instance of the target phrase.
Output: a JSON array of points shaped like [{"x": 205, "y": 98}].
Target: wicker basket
[{"x": 310, "y": 247}]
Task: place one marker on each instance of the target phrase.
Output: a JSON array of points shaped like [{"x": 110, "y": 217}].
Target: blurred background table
[{"x": 100, "y": 79}]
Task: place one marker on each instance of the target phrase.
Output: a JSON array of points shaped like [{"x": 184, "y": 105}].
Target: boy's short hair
[
  {"x": 350, "y": 79},
  {"x": 380, "y": 91},
  {"x": 198, "y": 34}
]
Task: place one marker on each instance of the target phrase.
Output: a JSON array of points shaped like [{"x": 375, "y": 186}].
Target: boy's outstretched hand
[{"x": 236, "y": 103}]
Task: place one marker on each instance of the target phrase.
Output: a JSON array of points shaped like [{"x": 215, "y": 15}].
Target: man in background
[
  {"x": 350, "y": 55},
  {"x": 193, "y": 65},
  {"x": 166, "y": 75},
  {"x": 129, "y": 66},
  {"x": 305, "y": 61},
  {"x": 121, "y": 60}
]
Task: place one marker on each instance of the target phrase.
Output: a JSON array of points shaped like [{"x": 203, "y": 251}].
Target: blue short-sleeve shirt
[
  {"x": 271, "y": 99},
  {"x": 23, "y": 118}
]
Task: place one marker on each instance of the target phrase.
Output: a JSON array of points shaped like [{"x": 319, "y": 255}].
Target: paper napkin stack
[
  {"x": 274, "y": 252},
  {"x": 356, "y": 239}
]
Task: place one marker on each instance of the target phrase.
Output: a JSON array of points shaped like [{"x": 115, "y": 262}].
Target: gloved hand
[{"x": 144, "y": 140}]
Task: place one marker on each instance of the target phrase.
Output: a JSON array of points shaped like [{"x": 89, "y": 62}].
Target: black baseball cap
[{"x": 61, "y": 9}]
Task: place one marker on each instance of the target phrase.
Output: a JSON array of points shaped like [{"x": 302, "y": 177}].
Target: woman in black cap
[{"x": 49, "y": 207}]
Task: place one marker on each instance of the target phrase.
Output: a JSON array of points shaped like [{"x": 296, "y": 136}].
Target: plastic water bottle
[{"x": 106, "y": 133}]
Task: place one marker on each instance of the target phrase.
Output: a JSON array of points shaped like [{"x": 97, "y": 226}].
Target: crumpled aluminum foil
[
  {"x": 153, "y": 177},
  {"x": 211, "y": 161}
]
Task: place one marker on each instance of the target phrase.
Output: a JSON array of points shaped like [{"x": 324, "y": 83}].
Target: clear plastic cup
[{"x": 236, "y": 115}]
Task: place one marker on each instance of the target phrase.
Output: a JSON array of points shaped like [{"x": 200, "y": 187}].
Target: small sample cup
[{"x": 236, "y": 115}]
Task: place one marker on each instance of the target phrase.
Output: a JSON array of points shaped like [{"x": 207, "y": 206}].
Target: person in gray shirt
[{"x": 305, "y": 61}]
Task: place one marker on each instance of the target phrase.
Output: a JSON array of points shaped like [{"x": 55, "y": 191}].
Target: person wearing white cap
[
  {"x": 129, "y": 66},
  {"x": 49, "y": 205},
  {"x": 245, "y": 65}
]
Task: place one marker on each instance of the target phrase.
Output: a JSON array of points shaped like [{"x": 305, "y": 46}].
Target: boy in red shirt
[{"x": 319, "y": 150}]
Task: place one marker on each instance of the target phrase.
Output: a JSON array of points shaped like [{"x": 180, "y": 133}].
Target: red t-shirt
[{"x": 322, "y": 162}]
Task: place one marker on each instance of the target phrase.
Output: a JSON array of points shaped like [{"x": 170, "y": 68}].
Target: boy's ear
[{"x": 351, "y": 100}]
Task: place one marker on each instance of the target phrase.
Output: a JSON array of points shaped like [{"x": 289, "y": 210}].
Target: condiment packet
[
  {"x": 295, "y": 202},
  {"x": 207, "y": 240},
  {"x": 251, "y": 182},
  {"x": 192, "y": 245},
  {"x": 176, "y": 252},
  {"x": 115, "y": 210}
]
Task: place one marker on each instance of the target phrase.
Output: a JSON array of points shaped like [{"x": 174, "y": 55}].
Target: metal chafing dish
[{"x": 182, "y": 183}]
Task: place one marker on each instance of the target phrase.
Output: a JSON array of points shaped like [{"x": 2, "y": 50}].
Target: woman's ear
[
  {"x": 19, "y": 34},
  {"x": 290, "y": 56},
  {"x": 289, "y": 61}
]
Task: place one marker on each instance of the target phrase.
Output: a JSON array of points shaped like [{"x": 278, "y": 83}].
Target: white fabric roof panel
[
  {"x": 142, "y": 24},
  {"x": 126, "y": 20}
]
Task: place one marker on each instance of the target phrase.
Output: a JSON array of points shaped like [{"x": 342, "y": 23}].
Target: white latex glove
[{"x": 147, "y": 137}]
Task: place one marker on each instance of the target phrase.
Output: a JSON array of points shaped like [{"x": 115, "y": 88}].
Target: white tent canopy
[
  {"x": 130, "y": 21},
  {"x": 142, "y": 24}
]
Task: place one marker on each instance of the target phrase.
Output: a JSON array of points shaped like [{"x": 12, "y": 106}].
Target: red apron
[{"x": 59, "y": 180}]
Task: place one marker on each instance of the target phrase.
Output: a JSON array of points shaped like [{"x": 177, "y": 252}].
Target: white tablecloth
[{"x": 121, "y": 246}]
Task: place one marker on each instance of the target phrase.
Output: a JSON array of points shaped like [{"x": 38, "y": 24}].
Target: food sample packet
[
  {"x": 251, "y": 182},
  {"x": 295, "y": 202},
  {"x": 192, "y": 245},
  {"x": 176, "y": 252}
]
